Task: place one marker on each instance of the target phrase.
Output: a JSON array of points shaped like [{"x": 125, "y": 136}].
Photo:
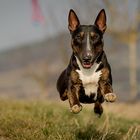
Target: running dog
[{"x": 87, "y": 78}]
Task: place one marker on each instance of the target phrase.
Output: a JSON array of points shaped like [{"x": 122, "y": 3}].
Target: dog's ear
[
  {"x": 100, "y": 21},
  {"x": 73, "y": 21}
]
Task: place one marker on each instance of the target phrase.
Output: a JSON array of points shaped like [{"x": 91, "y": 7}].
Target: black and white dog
[{"x": 87, "y": 79}]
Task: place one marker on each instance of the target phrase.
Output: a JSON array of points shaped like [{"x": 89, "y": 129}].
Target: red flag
[{"x": 37, "y": 15}]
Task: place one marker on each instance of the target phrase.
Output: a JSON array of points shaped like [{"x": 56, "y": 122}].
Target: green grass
[{"x": 31, "y": 120}]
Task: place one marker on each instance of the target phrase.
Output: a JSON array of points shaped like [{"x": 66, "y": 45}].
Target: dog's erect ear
[
  {"x": 100, "y": 21},
  {"x": 73, "y": 21}
]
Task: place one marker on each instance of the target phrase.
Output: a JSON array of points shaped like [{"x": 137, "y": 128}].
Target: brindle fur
[{"x": 69, "y": 84}]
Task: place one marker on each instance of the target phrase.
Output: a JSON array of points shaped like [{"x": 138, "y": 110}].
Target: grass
[{"x": 40, "y": 120}]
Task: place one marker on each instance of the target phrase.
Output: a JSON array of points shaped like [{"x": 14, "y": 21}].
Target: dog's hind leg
[
  {"x": 63, "y": 96},
  {"x": 98, "y": 109},
  {"x": 62, "y": 84}
]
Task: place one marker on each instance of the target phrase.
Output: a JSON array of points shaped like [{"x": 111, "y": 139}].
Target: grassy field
[{"x": 42, "y": 120}]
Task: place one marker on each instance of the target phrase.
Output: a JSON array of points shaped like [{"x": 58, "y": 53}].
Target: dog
[{"x": 87, "y": 78}]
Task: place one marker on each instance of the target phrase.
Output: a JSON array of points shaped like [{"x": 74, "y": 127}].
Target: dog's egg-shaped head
[{"x": 87, "y": 40}]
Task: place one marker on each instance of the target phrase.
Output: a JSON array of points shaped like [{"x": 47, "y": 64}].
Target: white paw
[
  {"x": 110, "y": 97},
  {"x": 76, "y": 108}
]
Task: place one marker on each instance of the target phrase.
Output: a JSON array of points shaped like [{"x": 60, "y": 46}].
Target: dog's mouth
[{"x": 87, "y": 65}]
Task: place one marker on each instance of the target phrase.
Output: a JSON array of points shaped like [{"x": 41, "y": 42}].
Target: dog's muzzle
[{"x": 87, "y": 61}]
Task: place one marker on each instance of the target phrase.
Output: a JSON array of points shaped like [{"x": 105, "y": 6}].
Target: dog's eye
[
  {"x": 78, "y": 39},
  {"x": 95, "y": 37}
]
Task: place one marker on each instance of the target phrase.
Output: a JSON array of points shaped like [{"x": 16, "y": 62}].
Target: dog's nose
[{"x": 87, "y": 58}]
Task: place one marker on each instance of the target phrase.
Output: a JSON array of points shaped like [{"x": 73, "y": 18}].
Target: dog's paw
[
  {"x": 110, "y": 97},
  {"x": 76, "y": 109}
]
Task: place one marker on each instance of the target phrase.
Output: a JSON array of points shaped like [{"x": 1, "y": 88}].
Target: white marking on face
[
  {"x": 89, "y": 78},
  {"x": 88, "y": 42}
]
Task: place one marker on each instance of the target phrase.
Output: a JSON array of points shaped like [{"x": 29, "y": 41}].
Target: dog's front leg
[
  {"x": 73, "y": 97},
  {"x": 105, "y": 87},
  {"x": 107, "y": 91}
]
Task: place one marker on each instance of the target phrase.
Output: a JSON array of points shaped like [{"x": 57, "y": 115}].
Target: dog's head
[{"x": 87, "y": 40}]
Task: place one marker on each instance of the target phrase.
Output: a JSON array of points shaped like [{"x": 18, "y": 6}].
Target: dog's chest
[{"x": 90, "y": 78}]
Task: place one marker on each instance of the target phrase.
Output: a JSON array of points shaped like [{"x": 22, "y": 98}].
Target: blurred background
[{"x": 35, "y": 45}]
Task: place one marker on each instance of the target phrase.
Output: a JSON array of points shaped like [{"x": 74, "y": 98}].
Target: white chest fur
[{"x": 89, "y": 78}]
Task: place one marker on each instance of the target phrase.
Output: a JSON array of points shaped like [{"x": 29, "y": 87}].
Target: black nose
[{"x": 87, "y": 58}]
